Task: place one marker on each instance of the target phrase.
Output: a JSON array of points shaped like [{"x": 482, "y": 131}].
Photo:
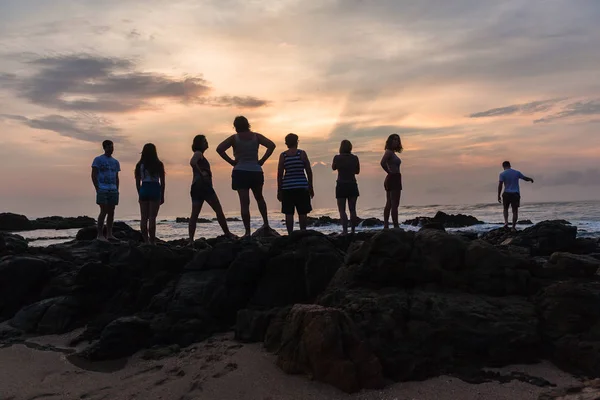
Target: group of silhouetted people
[{"x": 294, "y": 182}]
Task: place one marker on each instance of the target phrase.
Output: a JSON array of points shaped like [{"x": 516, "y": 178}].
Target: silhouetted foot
[{"x": 102, "y": 239}]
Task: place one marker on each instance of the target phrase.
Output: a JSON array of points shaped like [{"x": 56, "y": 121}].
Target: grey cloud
[
  {"x": 581, "y": 178},
  {"x": 580, "y": 108},
  {"x": 521, "y": 109},
  {"x": 84, "y": 126},
  {"x": 111, "y": 85}
]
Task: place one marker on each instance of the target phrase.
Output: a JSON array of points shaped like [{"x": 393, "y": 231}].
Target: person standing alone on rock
[
  {"x": 247, "y": 172},
  {"x": 393, "y": 181},
  {"x": 105, "y": 177},
  {"x": 294, "y": 186},
  {"x": 511, "y": 198},
  {"x": 347, "y": 166},
  {"x": 150, "y": 185}
]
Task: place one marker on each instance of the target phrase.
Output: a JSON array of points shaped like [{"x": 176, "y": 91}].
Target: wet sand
[{"x": 217, "y": 369}]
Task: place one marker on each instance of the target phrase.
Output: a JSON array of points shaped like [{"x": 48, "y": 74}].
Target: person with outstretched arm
[
  {"x": 105, "y": 177},
  {"x": 247, "y": 172},
  {"x": 511, "y": 198}
]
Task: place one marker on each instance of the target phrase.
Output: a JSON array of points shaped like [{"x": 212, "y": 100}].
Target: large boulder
[
  {"x": 14, "y": 222},
  {"x": 22, "y": 278},
  {"x": 566, "y": 265},
  {"x": 417, "y": 334},
  {"x": 324, "y": 343},
  {"x": 12, "y": 244},
  {"x": 569, "y": 313},
  {"x": 50, "y": 316},
  {"x": 121, "y": 231},
  {"x": 56, "y": 222},
  {"x": 299, "y": 268}
]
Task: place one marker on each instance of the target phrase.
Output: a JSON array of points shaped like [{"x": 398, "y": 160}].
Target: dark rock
[
  {"x": 121, "y": 338},
  {"x": 322, "y": 221},
  {"x": 12, "y": 244},
  {"x": 160, "y": 352},
  {"x": 121, "y": 231},
  {"x": 324, "y": 343},
  {"x": 446, "y": 220},
  {"x": 370, "y": 223},
  {"x": 185, "y": 220},
  {"x": 265, "y": 232},
  {"x": 251, "y": 325},
  {"x": 14, "y": 222},
  {"x": 50, "y": 316},
  {"x": 21, "y": 281},
  {"x": 566, "y": 265},
  {"x": 425, "y": 334}
]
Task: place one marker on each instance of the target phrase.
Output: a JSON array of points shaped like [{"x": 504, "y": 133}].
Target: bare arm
[
  {"x": 280, "y": 171},
  {"x": 334, "y": 163},
  {"x": 222, "y": 150},
  {"x": 309, "y": 174},
  {"x": 163, "y": 185},
  {"x": 268, "y": 144},
  {"x": 527, "y": 179},
  {"x": 500, "y": 191},
  {"x": 117, "y": 178},
  {"x": 138, "y": 178},
  {"x": 384, "y": 161},
  {"x": 357, "y": 166},
  {"x": 95, "y": 177}
]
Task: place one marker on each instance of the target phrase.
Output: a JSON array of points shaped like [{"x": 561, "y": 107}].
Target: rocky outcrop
[
  {"x": 16, "y": 222},
  {"x": 349, "y": 310},
  {"x": 121, "y": 231},
  {"x": 445, "y": 220}
]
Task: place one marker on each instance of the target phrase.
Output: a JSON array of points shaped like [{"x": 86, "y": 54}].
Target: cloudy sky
[{"x": 466, "y": 83}]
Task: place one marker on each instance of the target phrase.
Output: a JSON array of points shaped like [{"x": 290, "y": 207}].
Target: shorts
[
  {"x": 150, "y": 191},
  {"x": 107, "y": 198},
  {"x": 295, "y": 199},
  {"x": 393, "y": 182},
  {"x": 511, "y": 199},
  {"x": 247, "y": 179},
  {"x": 201, "y": 191},
  {"x": 346, "y": 190}
]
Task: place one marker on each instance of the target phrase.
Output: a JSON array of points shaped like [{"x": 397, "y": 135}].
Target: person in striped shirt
[{"x": 294, "y": 183}]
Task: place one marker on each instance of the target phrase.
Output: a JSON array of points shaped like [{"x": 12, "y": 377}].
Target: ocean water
[{"x": 584, "y": 214}]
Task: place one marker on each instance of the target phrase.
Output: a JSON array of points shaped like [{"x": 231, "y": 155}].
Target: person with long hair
[
  {"x": 393, "y": 181},
  {"x": 247, "y": 172},
  {"x": 202, "y": 189},
  {"x": 294, "y": 183},
  {"x": 348, "y": 166},
  {"x": 150, "y": 184}
]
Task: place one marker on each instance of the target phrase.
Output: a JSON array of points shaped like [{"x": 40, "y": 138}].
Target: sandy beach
[{"x": 217, "y": 369}]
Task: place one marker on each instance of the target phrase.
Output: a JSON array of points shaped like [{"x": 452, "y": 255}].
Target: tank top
[
  {"x": 346, "y": 166},
  {"x": 146, "y": 176},
  {"x": 245, "y": 153},
  {"x": 294, "y": 177},
  {"x": 395, "y": 161},
  {"x": 203, "y": 165}
]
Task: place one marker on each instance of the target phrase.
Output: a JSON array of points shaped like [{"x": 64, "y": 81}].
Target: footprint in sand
[{"x": 228, "y": 368}]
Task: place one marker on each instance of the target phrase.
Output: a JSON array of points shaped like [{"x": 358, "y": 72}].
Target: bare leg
[
  {"x": 302, "y": 221},
  {"x": 216, "y": 206},
  {"x": 505, "y": 212},
  {"x": 353, "y": 216},
  {"x": 262, "y": 204},
  {"x": 110, "y": 218},
  {"x": 196, "y": 208},
  {"x": 144, "y": 211},
  {"x": 343, "y": 216},
  {"x": 101, "y": 218},
  {"x": 515, "y": 212},
  {"x": 244, "y": 195},
  {"x": 387, "y": 209},
  {"x": 395, "y": 204},
  {"x": 289, "y": 223},
  {"x": 153, "y": 208}
]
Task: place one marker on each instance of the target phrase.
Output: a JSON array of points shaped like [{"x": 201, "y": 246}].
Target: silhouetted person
[
  {"x": 247, "y": 168},
  {"x": 150, "y": 184},
  {"x": 393, "y": 181},
  {"x": 511, "y": 198},
  {"x": 294, "y": 183},
  {"x": 105, "y": 177},
  {"x": 347, "y": 166},
  {"x": 202, "y": 188}
]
